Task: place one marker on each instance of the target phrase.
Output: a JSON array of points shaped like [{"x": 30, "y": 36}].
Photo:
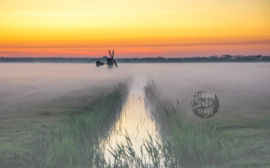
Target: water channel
[{"x": 135, "y": 120}]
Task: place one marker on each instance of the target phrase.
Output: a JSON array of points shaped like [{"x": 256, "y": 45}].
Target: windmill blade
[
  {"x": 110, "y": 52},
  {"x": 115, "y": 63}
]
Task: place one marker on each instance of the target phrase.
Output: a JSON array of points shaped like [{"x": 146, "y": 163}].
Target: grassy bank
[
  {"x": 253, "y": 136},
  {"x": 78, "y": 144},
  {"x": 77, "y": 141},
  {"x": 183, "y": 143},
  {"x": 74, "y": 140},
  {"x": 217, "y": 142},
  {"x": 180, "y": 143}
]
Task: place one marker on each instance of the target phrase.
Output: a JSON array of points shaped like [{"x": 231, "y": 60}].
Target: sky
[{"x": 134, "y": 28}]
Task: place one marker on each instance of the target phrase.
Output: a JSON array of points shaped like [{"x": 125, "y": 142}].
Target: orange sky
[{"x": 141, "y": 28}]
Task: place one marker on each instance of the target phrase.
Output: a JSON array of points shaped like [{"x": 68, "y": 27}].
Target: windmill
[{"x": 110, "y": 61}]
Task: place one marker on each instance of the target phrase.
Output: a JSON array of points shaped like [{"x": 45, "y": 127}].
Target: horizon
[
  {"x": 261, "y": 57},
  {"x": 169, "y": 29}
]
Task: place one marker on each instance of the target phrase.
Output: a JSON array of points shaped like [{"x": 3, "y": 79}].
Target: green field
[
  {"x": 70, "y": 131},
  {"x": 225, "y": 141},
  {"x": 46, "y": 135}
]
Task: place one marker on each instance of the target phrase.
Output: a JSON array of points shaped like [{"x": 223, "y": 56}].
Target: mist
[{"x": 242, "y": 88}]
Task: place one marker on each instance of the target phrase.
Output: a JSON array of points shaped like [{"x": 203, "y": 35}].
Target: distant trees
[{"x": 215, "y": 58}]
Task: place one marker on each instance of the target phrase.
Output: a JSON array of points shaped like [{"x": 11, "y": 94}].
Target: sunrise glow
[{"x": 141, "y": 28}]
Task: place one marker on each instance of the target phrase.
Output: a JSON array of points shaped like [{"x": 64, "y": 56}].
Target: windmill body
[{"x": 110, "y": 61}]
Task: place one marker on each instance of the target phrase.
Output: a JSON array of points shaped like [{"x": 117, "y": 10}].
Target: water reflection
[{"x": 135, "y": 120}]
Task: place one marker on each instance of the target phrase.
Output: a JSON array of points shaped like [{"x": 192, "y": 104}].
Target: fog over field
[
  {"x": 46, "y": 108},
  {"x": 242, "y": 88},
  {"x": 23, "y": 86}
]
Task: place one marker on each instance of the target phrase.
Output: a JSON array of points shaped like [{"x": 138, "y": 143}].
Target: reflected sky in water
[{"x": 135, "y": 118}]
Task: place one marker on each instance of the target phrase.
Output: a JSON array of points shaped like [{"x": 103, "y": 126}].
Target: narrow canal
[{"x": 135, "y": 120}]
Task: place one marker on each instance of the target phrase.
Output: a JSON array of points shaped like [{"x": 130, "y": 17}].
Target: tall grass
[
  {"x": 77, "y": 142},
  {"x": 180, "y": 143}
]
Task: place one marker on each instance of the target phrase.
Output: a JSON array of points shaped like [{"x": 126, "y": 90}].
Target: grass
[
  {"x": 77, "y": 145},
  {"x": 254, "y": 137},
  {"x": 213, "y": 143},
  {"x": 23, "y": 127},
  {"x": 182, "y": 143},
  {"x": 78, "y": 141},
  {"x": 71, "y": 143}
]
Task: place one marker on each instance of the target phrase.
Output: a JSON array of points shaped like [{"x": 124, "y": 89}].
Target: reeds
[
  {"x": 78, "y": 144},
  {"x": 180, "y": 143}
]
